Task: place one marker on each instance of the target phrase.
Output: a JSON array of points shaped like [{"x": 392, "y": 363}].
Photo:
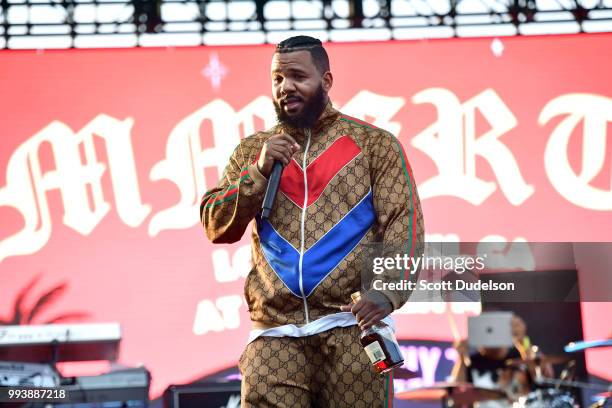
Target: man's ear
[{"x": 327, "y": 81}]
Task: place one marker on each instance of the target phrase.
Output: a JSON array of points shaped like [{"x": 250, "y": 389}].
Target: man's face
[{"x": 299, "y": 90}]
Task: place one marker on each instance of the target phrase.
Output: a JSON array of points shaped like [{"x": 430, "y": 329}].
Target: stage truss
[{"x": 128, "y": 23}]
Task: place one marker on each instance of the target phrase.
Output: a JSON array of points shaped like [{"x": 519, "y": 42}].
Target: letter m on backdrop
[{"x": 77, "y": 174}]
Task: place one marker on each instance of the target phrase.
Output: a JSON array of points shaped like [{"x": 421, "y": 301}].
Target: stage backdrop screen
[{"x": 105, "y": 155}]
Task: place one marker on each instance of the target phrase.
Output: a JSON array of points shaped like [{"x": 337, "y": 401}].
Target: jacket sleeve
[
  {"x": 227, "y": 209},
  {"x": 398, "y": 210}
]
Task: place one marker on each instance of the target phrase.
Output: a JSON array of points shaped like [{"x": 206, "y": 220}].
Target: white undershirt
[{"x": 341, "y": 319}]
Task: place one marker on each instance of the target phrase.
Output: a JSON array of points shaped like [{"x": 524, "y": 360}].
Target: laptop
[{"x": 490, "y": 330}]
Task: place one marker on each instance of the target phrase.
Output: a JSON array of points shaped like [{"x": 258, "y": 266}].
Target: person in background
[{"x": 487, "y": 368}]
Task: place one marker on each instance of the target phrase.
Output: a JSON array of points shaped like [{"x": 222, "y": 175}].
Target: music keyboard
[{"x": 60, "y": 342}]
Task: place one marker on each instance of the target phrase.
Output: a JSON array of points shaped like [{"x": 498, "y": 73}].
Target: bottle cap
[{"x": 355, "y": 297}]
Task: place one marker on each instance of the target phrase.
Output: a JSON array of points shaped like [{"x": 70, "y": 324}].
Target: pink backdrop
[{"x": 106, "y": 153}]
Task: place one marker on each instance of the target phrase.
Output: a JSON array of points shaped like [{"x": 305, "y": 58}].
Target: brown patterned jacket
[{"x": 358, "y": 188}]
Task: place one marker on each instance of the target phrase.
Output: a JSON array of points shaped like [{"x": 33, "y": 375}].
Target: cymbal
[
  {"x": 551, "y": 359},
  {"x": 404, "y": 374},
  {"x": 602, "y": 400},
  {"x": 460, "y": 393}
]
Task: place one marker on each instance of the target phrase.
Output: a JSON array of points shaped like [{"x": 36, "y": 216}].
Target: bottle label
[{"x": 374, "y": 352}]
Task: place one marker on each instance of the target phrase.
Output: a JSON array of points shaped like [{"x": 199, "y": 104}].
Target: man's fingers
[
  {"x": 292, "y": 149},
  {"x": 285, "y": 138},
  {"x": 288, "y": 138},
  {"x": 362, "y": 308},
  {"x": 274, "y": 154},
  {"x": 280, "y": 142},
  {"x": 364, "y": 311},
  {"x": 278, "y": 153},
  {"x": 346, "y": 308},
  {"x": 357, "y": 307},
  {"x": 372, "y": 320},
  {"x": 283, "y": 148},
  {"x": 274, "y": 149},
  {"x": 367, "y": 317}
]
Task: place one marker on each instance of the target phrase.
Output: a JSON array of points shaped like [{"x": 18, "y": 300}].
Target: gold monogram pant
[{"x": 328, "y": 369}]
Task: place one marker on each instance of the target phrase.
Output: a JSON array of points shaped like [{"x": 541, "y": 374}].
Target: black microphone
[{"x": 273, "y": 183}]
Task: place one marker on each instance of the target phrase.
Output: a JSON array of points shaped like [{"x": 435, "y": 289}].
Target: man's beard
[{"x": 311, "y": 111}]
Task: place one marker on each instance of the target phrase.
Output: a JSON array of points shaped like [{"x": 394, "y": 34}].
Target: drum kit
[{"x": 542, "y": 393}]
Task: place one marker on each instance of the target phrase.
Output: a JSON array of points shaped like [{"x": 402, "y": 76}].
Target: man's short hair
[{"x": 306, "y": 43}]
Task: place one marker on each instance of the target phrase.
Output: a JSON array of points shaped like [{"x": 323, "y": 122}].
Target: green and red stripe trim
[
  {"x": 231, "y": 191},
  {"x": 389, "y": 390},
  {"x": 412, "y": 199},
  {"x": 351, "y": 119}
]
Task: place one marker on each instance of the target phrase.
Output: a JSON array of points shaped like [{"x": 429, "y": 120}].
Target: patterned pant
[{"x": 329, "y": 369}]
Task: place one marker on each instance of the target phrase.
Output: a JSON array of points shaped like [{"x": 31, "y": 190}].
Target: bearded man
[{"x": 345, "y": 184}]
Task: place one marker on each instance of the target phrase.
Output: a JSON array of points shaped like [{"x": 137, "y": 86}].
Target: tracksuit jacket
[{"x": 349, "y": 185}]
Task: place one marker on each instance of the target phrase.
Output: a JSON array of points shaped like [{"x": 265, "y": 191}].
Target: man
[
  {"x": 487, "y": 367},
  {"x": 345, "y": 183}
]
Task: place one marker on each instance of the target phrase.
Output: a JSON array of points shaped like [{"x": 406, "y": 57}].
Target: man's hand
[
  {"x": 279, "y": 147},
  {"x": 371, "y": 309}
]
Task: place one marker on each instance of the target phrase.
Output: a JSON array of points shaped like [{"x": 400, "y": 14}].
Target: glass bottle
[{"x": 380, "y": 345}]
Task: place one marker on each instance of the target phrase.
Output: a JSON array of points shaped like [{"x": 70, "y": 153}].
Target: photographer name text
[{"x": 487, "y": 286}]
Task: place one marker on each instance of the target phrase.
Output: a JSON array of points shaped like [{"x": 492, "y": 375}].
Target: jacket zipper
[{"x": 302, "y": 221}]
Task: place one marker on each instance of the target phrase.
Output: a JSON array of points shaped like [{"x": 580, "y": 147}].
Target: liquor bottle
[{"x": 380, "y": 345}]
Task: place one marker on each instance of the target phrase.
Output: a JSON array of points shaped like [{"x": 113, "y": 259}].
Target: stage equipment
[
  {"x": 547, "y": 398},
  {"x": 14, "y": 374},
  {"x": 210, "y": 395},
  {"x": 452, "y": 393},
  {"x": 120, "y": 22},
  {"x": 551, "y": 382},
  {"x": 123, "y": 385},
  {"x": 554, "y": 393},
  {"x": 603, "y": 400},
  {"x": 401, "y": 373},
  {"x": 147, "y": 16},
  {"x": 538, "y": 360},
  {"x": 53, "y": 343},
  {"x": 576, "y": 346}
]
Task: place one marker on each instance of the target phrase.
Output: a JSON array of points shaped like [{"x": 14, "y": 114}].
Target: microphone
[{"x": 273, "y": 183}]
